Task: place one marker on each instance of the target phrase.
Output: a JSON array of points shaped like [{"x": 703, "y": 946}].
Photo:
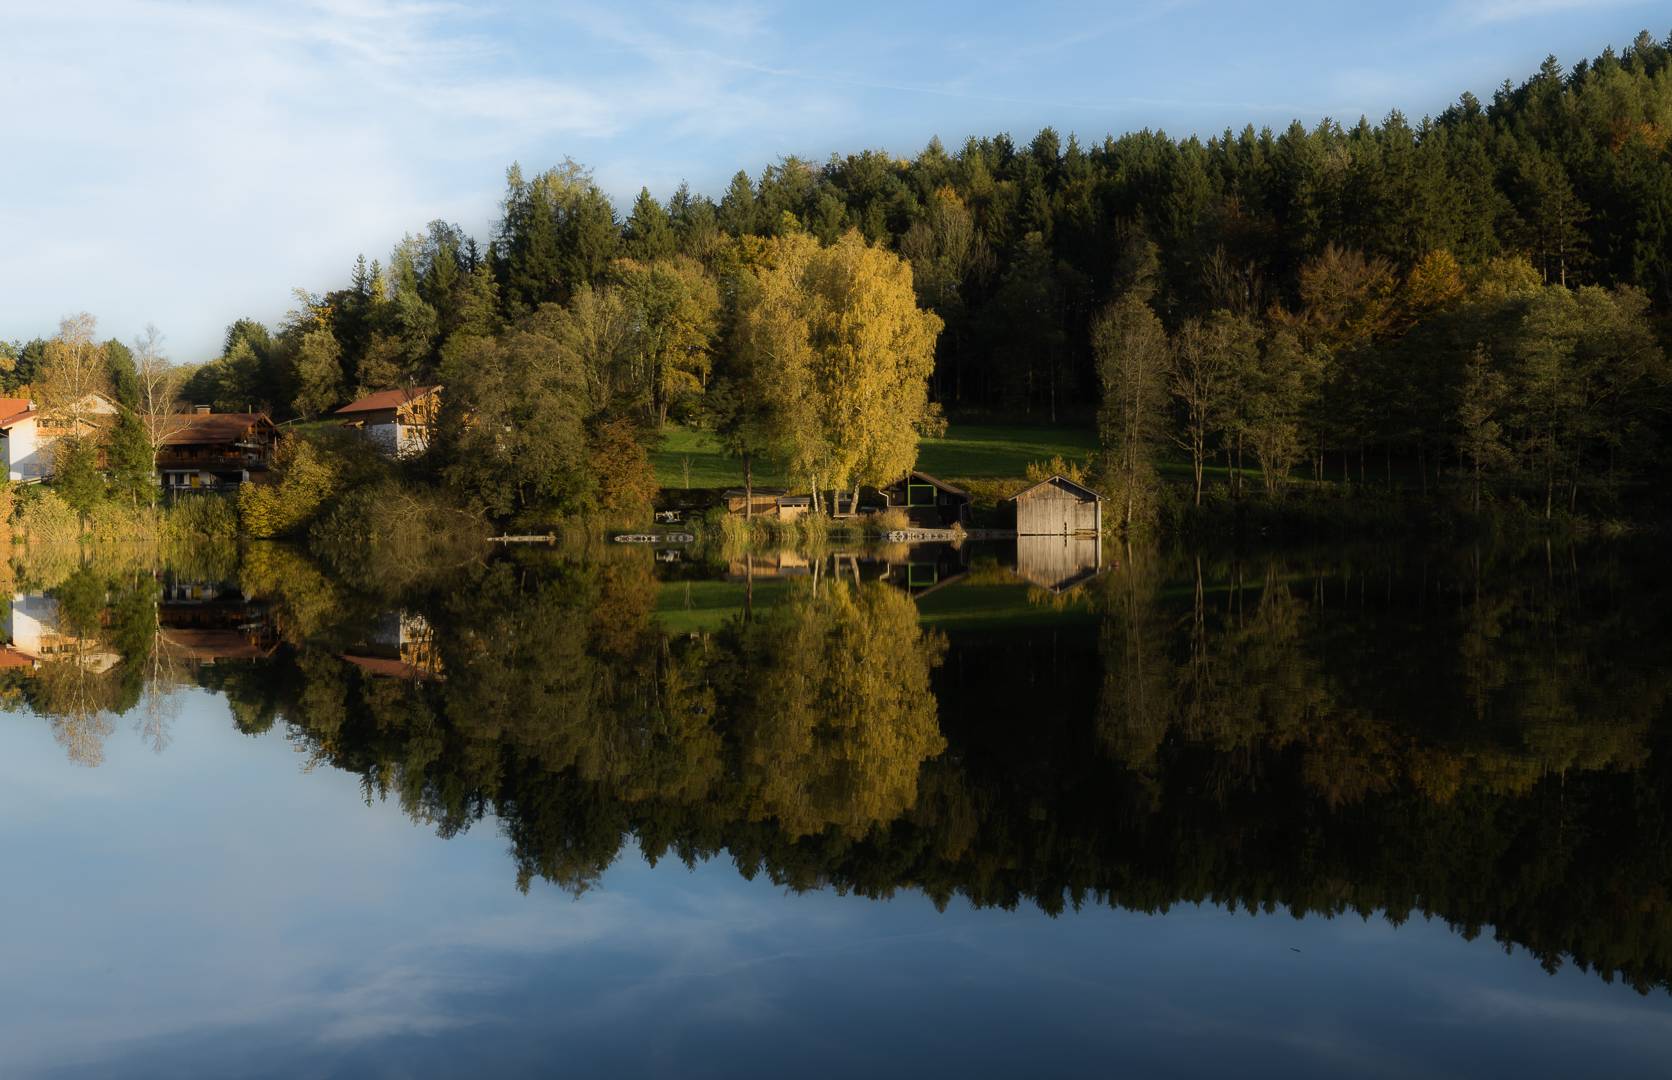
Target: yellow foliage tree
[
  {"x": 306, "y": 477},
  {"x": 842, "y": 356}
]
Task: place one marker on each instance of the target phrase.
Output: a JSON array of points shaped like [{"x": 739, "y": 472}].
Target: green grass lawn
[
  {"x": 685, "y": 607},
  {"x": 979, "y": 452},
  {"x": 969, "y": 451},
  {"x": 708, "y": 468},
  {"x": 962, "y": 606}
]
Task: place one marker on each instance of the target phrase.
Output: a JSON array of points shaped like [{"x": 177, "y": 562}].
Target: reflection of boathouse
[
  {"x": 770, "y": 566},
  {"x": 1058, "y": 563},
  {"x": 920, "y": 569}
]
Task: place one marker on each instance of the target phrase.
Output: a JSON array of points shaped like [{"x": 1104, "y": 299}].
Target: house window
[{"x": 920, "y": 494}]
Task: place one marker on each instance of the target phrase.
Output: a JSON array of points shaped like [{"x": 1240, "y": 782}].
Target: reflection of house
[
  {"x": 923, "y": 568},
  {"x": 30, "y": 435},
  {"x": 401, "y": 645},
  {"x": 208, "y": 449},
  {"x": 1058, "y": 563},
  {"x": 206, "y": 622},
  {"x": 1056, "y": 506},
  {"x": 37, "y": 635},
  {"x": 400, "y": 422},
  {"x": 927, "y": 502},
  {"x": 773, "y": 567}
]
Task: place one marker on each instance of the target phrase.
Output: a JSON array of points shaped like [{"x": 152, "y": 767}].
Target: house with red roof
[
  {"x": 29, "y": 436},
  {"x": 400, "y": 422}
]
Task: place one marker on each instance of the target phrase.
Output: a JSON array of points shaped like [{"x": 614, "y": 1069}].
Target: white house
[
  {"x": 400, "y": 422},
  {"x": 28, "y": 435}
]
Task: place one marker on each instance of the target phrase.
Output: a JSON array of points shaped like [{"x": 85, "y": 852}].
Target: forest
[{"x": 1482, "y": 295}]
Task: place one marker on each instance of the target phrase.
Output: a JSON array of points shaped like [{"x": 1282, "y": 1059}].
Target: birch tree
[
  {"x": 160, "y": 410},
  {"x": 844, "y": 354},
  {"x": 1131, "y": 348}
]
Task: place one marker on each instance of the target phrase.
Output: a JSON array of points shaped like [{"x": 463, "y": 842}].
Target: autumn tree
[
  {"x": 1132, "y": 352},
  {"x": 673, "y": 308},
  {"x": 511, "y": 430},
  {"x": 1199, "y": 367},
  {"x": 843, "y": 354}
]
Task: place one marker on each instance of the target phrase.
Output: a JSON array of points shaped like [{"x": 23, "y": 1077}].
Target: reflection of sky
[{"x": 210, "y": 911}]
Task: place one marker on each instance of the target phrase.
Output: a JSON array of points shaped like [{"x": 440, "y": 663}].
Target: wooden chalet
[
  {"x": 1057, "y": 506},
  {"x": 927, "y": 502},
  {"x": 400, "y": 422},
  {"x": 213, "y": 450}
]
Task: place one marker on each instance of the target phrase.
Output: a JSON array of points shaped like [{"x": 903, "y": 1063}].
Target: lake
[{"x": 991, "y": 810}]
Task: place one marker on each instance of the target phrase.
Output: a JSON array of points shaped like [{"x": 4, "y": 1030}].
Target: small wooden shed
[
  {"x": 928, "y": 503},
  {"x": 761, "y": 502},
  {"x": 1058, "y": 506}
]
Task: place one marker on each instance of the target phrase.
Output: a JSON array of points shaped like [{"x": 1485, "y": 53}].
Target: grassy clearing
[
  {"x": 964, "y": 451},
  {"x": 963, "y": 606},
  {"x": 708, "y": 468},
  {"x": 687, "y": 607},
  {"x": 982, "y": 451}
]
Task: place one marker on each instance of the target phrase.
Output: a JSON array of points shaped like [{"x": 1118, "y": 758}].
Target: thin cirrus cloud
[{"x": 188, "y": 162}]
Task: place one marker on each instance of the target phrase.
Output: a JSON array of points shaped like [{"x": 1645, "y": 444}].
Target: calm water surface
[{"x": 926, "y": 811}]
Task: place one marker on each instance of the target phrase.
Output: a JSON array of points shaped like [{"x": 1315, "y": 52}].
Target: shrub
[
  {"x": 306, "y": 472},
  {"x": 401, "y": 512},
  {"x": 43, "y": 516},
  {"x": 626, "y": 480},
  {"x": 893, "y": 519},
  {"x": 210, "y": 516}
]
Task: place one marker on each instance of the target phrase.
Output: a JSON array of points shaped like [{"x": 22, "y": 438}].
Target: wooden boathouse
[{"x": 1057, "y": 506}]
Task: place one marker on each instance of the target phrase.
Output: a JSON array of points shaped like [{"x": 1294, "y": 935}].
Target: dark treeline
[
  {"x": 1241, "y": 731},
  {"x": 1482, "y": 293}
]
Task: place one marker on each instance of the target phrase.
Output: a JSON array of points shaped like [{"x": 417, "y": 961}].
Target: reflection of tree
[
  {"x": 1357, "y": 731},
  {"x": 77, "y": 701},
  {"x": 838, "y": 716}
]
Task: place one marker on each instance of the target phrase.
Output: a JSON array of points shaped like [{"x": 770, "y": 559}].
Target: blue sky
[{"x": 188, "y": 162}]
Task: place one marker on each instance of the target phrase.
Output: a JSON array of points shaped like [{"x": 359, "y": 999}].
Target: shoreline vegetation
[{"x": 1454, "y": 326}]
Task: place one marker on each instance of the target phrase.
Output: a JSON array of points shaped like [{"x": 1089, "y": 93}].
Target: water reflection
[{"x": 1476, "y": 735}]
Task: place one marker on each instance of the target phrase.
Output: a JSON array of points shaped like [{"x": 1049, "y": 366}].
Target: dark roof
[
  {"x": 212, "y": 427},
  {"x": 927, "y": 479},
  {"x": 759, "y": 493},
  {"x": 1063, "y": 480},
  {"x": 389, "y": 399}
]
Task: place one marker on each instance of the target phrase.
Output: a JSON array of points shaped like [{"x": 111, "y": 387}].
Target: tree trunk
[{"x": 748, "y": 489}]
